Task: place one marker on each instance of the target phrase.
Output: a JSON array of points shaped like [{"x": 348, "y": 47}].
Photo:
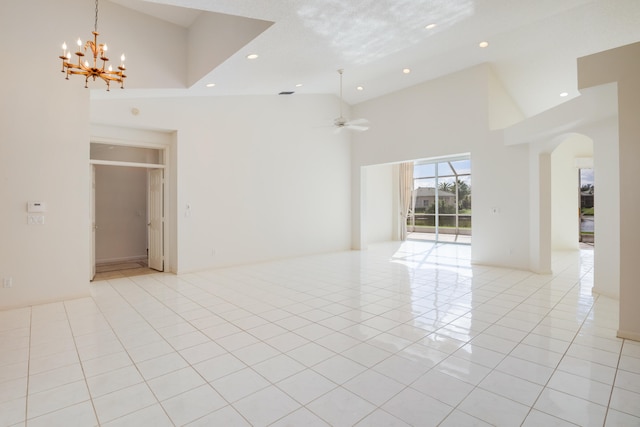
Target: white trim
[
  {"x": 131, "y": 137},
  {"x": 628, "y": 335},
  {"x": 126, "y": 143},
  {"x": 129, "y": 164},
  {"x": 583, "y": 162},
  {"x": 439, "y": 159}
]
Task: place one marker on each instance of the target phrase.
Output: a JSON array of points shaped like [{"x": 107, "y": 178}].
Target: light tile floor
[
  {"x": 441, "y": 237},
  {"x": 397, "y": 335}
]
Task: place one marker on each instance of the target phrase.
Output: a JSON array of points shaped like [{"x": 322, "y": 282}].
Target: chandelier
[{"x": 99, "y": 52}]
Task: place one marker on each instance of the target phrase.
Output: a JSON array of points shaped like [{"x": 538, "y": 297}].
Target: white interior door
[
  {"x": 92, "y": 208},
  {"x": 156, "y": 219}
]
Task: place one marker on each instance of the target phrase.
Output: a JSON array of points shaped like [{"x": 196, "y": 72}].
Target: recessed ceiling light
[
  {"x": 210, "y": 84},
  {"x": 430, "y": 26},
  {"x": 252, "y": 56},
  {"x": 563, "y": 94},
  {"x": 406, "y": 70},
  {"x": 299, "y": 85},
  {"x": 483, "y": 44},
  {"x": 360, "y": 88}
]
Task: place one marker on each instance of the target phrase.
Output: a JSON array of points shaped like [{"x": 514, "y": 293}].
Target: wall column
[
  {"x": 622, "y": 65},
  {"x": 540, "y": 216},
  {"x": 358, "y": 207}
]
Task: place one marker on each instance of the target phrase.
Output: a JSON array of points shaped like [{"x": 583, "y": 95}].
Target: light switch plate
[{"x": 35, "y": 219}]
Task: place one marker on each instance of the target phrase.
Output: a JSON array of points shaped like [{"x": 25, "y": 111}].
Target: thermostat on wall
[{"x": 36, "y": 207}]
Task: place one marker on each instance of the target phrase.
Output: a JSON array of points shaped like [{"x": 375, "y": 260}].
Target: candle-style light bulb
[
  {"x": 64, "y": 49},
  {"x": 122, "y": 58},
  {"x": 104, "y": 48},
  {"x": 79, "y": 44},
  {"x": 110, "y": 68},
  {"x": 86, "y": 64},
  {"x": 68, "y": 55}
]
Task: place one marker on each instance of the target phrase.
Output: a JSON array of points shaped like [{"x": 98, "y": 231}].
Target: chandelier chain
[{"x": 95, "y": 26}]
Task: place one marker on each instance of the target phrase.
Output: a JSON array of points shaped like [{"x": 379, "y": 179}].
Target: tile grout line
[
  {"x": 26, "y": 404},
  {"x": 84, "y": 376},
  {"x": 596, "y": 297},
  {"x": 476, "y": 386},
  {"x": 169, "y": 344},
  {"x": 613, "y": 384},
  {"x": 144, "y": 380}
]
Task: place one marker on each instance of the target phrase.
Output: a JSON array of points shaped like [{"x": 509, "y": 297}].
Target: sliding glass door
[{"x": 441, "y": 208}]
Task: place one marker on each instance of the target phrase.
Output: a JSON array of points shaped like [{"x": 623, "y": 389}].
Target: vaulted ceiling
[{"x": 532, "y": 45}]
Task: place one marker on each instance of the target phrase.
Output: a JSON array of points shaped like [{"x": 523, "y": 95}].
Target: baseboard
[
  {"x": 628, "y": 335},
  {"x": 605, "y": 293},
  {"x": 121, "y": 259}
]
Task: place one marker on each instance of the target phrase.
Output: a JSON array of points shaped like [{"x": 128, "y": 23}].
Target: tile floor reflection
[{"x": 399, "y": 335}]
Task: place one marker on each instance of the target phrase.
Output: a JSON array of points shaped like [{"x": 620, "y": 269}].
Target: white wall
[
  {"x": 592, "y": 115},
  {"x": 565, "y": 200},
  {"x": 500, "y": 180},
  {"x": 380, "y": 202},
  {"x": 263, "y": 176},
  {"x": 155, "y": 50},
  {"x": 121, "y": 213},
  {"x": 236, "y": 31},
  {"x": 503, "y": 111},
  {"x": 450, "y": 116},
  {"x": 44, "y": 151}
]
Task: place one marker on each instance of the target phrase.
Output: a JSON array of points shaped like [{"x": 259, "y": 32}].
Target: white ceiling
[{"x": 533, "y": 44}]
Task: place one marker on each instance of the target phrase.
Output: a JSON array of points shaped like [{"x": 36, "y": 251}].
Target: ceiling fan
[{"x": 340, "y": 123}]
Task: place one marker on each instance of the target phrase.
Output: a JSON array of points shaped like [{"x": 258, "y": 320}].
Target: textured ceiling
[{"x": 533, "y": 45}]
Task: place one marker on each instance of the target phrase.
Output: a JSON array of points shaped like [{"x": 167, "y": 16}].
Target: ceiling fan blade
[
  {"x": 357, "y": 127},
  {"x": 363, "y": 122}
]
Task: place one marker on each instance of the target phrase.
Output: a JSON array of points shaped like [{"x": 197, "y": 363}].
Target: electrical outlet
[{"x": 7, "y": 282}]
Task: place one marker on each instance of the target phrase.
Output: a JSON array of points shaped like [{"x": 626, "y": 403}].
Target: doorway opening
[
  {"x": 571, "y": 169},
  {"x": 587, "y": 208},
  {"x": 127, "y": 211}
]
